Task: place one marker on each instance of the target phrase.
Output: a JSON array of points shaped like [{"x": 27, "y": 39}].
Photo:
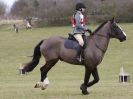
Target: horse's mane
[{"x": 100, "y": 27}]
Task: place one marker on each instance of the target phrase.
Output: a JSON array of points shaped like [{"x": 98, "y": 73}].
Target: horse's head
[{"x": 116, "y": 31}]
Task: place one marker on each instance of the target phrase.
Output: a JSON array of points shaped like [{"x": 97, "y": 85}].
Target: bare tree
[
  {"x": 58, "y": 11},
  {"x": 2, "y": 8}
]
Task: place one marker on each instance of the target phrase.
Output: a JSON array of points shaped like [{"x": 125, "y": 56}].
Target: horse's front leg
[
  {"x": 84, "y": 86},
  {"x": 95, "y": 76}
]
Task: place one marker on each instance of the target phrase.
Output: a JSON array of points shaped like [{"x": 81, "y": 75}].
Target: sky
[{"x": 9, "y": 4}]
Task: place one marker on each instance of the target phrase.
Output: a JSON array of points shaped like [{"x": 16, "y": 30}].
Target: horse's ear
[{"x": 112, "y": 20}]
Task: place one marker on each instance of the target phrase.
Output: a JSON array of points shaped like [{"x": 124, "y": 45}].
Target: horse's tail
[{"x": 35, "y": 60}]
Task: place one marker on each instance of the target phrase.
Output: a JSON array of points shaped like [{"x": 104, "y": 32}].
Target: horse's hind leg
[{"x": 44, "y": 70}]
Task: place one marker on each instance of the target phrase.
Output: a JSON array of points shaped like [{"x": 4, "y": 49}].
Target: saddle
[{"x": 72, "y": 43}]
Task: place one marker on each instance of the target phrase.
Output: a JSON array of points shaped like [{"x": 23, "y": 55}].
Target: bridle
[{"x": 114, "y": 28}]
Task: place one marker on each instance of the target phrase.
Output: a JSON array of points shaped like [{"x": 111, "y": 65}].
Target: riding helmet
[{"x": 79, "y": 6}]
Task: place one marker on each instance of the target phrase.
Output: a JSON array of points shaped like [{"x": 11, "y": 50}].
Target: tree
[
  {"x": 19, "y": 7},
  {"x": 58, "y": 11},
  {"x": 23, "y": 8},
  {"x": 2, "y": 8}
]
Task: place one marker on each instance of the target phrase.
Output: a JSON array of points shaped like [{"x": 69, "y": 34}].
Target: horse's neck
[
  {"x": 104, "y": 30},
  {"x": 101, "y": 38}
]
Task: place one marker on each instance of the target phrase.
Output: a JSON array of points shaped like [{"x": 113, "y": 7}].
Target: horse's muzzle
[{"x": 123, "y": 38}]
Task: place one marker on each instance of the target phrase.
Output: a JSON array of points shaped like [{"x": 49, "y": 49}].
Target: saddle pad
[{"x": 71, "y": 44}]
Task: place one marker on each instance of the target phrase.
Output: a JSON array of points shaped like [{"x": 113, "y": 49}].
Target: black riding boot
[{"x": 79, "y": 56}]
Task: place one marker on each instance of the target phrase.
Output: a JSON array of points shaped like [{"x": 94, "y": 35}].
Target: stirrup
[{"x": 80, "y": 59}]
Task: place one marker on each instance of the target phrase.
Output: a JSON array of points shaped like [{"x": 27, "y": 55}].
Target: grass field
[{"x": 65, "y": 79}]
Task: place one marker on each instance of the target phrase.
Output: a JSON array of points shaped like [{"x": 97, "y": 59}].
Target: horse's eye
[{"x": 116, "y": 26}]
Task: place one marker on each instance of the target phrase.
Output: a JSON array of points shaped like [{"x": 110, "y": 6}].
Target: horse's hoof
[
  {"x": 44, "y": 86},
  {"x": 84, "y": 89},
  {"x": 38, "y": 85},
  {"x": 85, "y": 92}
]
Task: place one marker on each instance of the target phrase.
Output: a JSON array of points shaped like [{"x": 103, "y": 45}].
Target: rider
[{"x": 79, "y": 28}]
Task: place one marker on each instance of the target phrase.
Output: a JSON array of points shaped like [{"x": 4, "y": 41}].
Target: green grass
[{"x": 65, "y": 79}]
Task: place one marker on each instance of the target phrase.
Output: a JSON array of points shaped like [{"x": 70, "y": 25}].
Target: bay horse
[{"x": 53, "y": 50}]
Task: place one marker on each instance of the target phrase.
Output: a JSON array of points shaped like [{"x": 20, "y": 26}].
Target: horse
[{"x": 53, "y": 50}]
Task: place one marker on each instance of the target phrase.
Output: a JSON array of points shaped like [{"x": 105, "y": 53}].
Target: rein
[{"x": 102, "y": 35}]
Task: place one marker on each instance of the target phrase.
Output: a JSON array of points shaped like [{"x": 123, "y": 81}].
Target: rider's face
[{"x": 83, "y": 10}]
